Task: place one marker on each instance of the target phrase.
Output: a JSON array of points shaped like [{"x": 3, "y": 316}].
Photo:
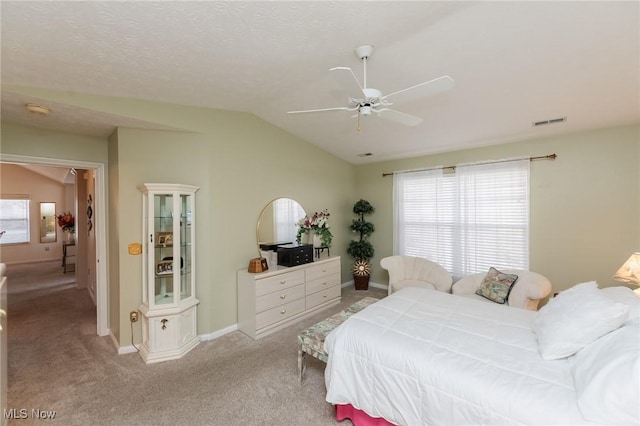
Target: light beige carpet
[{"x": 56, "y": 362}]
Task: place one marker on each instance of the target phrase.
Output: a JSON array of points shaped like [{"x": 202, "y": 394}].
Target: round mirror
[{"x": 278, "y": 221}]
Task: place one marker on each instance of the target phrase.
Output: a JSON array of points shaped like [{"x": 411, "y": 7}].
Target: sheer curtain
[
  {"x": 466, "y": 221},
  {"x": 286, "y": 214}
]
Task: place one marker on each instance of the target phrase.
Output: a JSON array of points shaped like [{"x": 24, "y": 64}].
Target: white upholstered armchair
[
  {"x": 526, "y": 293},
  {"x": 410, "y": 271}
]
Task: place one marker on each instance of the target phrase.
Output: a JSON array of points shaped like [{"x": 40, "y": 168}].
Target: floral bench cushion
[{"x": 311, "y": 340}]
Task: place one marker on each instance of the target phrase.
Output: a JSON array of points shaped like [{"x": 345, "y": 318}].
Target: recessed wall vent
[
  {"x": 366, "y": 154},
  {"x": 552, "y": 121}
]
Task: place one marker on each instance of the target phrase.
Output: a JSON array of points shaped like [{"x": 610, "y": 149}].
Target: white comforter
[{"x": 423, "y": 357}]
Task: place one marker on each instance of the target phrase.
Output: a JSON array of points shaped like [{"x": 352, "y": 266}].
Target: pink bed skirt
[{"x": 358, "y": 417}]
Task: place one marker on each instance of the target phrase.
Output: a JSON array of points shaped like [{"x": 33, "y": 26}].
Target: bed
[{"x": 423, "y": 357}]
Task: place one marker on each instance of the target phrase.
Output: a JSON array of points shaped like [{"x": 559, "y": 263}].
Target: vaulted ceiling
[{"x": 513, "y": 63}]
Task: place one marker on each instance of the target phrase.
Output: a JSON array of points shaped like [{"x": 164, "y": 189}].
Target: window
[
  {"x": 14, "y": 219},
  {"x": 466, "y": 221},
  {"x": 286, "y": 214}
]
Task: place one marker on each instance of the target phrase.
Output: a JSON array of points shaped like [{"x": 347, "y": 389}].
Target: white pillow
[
  {"x": 606, "y": 375},
  {"x": 626, "y": 296},
  {"x": 575, "y": 318}
]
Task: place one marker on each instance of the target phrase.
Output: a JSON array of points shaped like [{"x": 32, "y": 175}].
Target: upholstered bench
[{"x": 311, "y": 340}]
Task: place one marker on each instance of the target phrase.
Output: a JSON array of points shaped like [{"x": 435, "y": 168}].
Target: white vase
[
  {"x": 306, "y": 238},
  {"x": 71, "y": 238},
  {"x": 317, "y": 241}
]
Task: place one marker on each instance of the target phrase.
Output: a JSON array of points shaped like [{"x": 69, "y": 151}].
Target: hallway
[{"x": 51, "y": 335}]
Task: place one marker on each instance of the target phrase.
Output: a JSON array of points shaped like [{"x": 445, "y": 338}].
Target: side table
[{"x": 68, "y": 257}]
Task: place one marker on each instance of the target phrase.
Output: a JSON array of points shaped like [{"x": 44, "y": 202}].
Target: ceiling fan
[{"x": 366, "y": 100}]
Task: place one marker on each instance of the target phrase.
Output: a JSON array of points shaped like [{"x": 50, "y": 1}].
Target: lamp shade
[{"x": 629, "y": 272}]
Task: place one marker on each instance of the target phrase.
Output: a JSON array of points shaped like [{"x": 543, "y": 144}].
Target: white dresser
[{"x": 271, "y": 300}]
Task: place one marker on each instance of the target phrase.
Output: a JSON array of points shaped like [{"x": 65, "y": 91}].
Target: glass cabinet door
[
  {"x": 163, "y": 248},
  {"x": 186, "y": 249}
]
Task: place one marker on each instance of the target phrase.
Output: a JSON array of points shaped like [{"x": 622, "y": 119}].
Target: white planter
[{"x": 306, "y": 238}]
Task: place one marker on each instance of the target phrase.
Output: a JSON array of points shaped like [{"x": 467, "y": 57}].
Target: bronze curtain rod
[{"x": 542, "y": 157}]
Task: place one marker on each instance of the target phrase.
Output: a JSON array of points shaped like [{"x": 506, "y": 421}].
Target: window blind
[
  {"x": 14, "y": 219},
  {"x": 466, "y": 221},
  {"x": 286, "y": 214}
]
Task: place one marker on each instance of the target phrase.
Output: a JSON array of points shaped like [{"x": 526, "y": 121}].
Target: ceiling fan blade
[
  {"x": 322, "y": 110},
  {"x": 431, "y": 87},
  {"x": 347, "y": 80},
  {"x": 399, "y": 117}
]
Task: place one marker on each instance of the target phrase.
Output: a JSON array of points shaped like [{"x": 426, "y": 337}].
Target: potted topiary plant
[{"x": 361, "y": 250}]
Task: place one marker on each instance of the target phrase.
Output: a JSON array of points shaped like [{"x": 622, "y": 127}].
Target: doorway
[{"x": 98, "y": 221}]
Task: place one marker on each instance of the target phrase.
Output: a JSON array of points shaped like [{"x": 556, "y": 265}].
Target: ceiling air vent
[
  {"x": 366, "y": 154},
  {"x": 552, "y": 121}
]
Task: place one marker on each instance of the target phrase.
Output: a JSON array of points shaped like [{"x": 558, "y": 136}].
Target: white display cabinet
[{"x": 169, "y": 304}]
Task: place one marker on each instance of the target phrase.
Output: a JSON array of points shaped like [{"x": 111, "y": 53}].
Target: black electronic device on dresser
[{"x": 295, "y": 254}]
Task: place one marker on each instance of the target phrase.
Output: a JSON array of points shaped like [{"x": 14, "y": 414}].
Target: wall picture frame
[
  {"x": 164, "y": 267},
  {"x": 164, "y": 239}
]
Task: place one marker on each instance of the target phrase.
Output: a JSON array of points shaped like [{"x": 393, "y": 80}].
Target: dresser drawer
[
  {"x": 322, "y": 270},
  {"x": 323, "y": 296},
  {"x": 274, "y": 299},
  {"x": 322, "y": 283},
  {"x": 279, "y": 313},
  {"x": 278, "y": 298},
  {"x": 279, "y": 282}
]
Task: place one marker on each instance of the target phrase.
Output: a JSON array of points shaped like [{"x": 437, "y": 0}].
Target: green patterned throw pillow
[{"x": 496, "y": 285}]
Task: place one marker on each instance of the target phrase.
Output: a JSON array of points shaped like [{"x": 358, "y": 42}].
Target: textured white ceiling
[{"x": 513, "y": 63}]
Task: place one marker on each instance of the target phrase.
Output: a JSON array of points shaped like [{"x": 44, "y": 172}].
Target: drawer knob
[
  {"x": 283, "y": 281},
  {"x": 325, "y": 296},
  {"x": 284, "y": 311},
  {"x": 324, "y": 283},
  {"x": 283, "y": 296}
]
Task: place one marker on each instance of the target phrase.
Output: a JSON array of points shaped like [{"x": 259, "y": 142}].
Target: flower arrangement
[
  {"x": 67, "y": 222},
  {"x": 318, "y": 224}
]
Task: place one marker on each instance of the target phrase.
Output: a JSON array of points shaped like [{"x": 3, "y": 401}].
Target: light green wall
[
  {"x": 113, "y": 213},
  {"x": 585, "y": 204},
  {"x": 240, "y": 164},
  {"x": 584, "y": 215},
  {"x": 38, "y": 142}
]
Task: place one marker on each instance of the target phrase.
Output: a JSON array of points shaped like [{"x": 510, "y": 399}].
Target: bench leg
[{"x": 302, "y": 364}]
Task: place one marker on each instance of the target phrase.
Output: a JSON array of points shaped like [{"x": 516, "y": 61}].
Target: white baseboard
[
  {"x": 218, "y": 333},
  {"x": 371, "y": 283},
  {"x": 129, "y": 349},
  {"x": 27, "y": 262},
  {"x": 122, "y": 349}
]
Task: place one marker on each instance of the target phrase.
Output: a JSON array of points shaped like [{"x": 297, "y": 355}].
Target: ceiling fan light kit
[
  {"x": 365, "y": 51},
  {"x": 373, "y": 100}
]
